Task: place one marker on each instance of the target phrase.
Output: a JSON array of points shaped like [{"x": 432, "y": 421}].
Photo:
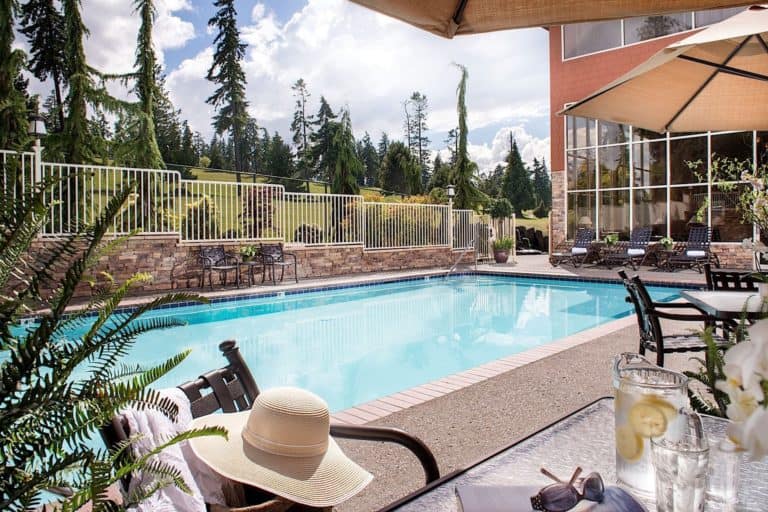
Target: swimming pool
[{"x": 353, "y": 345}]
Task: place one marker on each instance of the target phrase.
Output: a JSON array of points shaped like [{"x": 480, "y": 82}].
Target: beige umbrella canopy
[
  {"x": 448, "y": 18},
  {"x": 716, "y": 79}
]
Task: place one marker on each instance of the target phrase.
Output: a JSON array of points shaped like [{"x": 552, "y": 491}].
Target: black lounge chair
[
  {"x": 216, "y": 259},
  {"x": 649, "y": 314},
  {"x": 577, "y": 253},
  {"x": 728, "y": 279},
  {"x": 696, "y": 251},
  {"x": 272, "y": 255},
  {"x": 632, "y": 253},
  {"x": 233, "y": 389}
]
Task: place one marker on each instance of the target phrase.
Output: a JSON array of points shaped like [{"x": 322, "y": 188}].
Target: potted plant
[
  {"x": 667, "y": 243},
  {"x": 611, "y": 239},
  {"x": 501, "y": 248},
  {"x": 249, "y": 252}
]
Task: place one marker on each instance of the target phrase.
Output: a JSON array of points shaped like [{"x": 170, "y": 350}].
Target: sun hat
[{"x": 283, "y": 446}]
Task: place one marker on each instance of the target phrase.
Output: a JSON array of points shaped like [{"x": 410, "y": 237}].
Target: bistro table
[
  {"x": 584, "y": 438},
  {"x": 726, "y": 305}
]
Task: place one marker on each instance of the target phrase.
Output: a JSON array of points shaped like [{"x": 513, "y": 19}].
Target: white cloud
[
  {"x": 371, "y": 63},
  {"x": 489, "y": 155}
]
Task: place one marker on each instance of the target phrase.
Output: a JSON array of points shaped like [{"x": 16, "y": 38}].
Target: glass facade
[
  {"x": 619, "y": 177},
  {"x": 585, "y": 38}
]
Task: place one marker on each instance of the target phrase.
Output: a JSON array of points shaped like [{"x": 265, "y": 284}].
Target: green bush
[
  {"x": 503, "y": 244},
  {"x": 501, "y": 208}
]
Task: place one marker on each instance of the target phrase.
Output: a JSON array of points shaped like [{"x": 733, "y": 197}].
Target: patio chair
[
  {"x": 649, "y": 315},
  {"x": 577, "y": 252},
  {"x": 216, "y": 259},
  {"x": 232, "y": 388},
  {"x": 632, "y": 253},
  {"x": 696, "y": 251},
  {"x": 272, "y": 255},
  {"x": 733, "y": 280}
]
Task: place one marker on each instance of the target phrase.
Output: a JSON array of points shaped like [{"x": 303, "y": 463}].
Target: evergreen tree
[
  {"x": 441, "y": 174},
  {"x": 452, "y": 143},
  {"x": 13, "y": 105},
  {"x": 322, "y": 141},
  {"x": 516, "y": 185},
  {"x": 400, "y": 171},
  {"x": 417, "y": 132},
  {"x": 301, "y": 128},
  {"x": 491, "y": 186},
  {"x": 168, "y": 127},
  {"x": 43, "y": 24},
  {"x": 53, "y": 114},
  {"x": 467, "y": 194},
  {"x": 187, "y": 155},
  {"x": 226, "y": 71},
  {"x": 542, "y": 187},
  {"x": 215, "y": 154},
  {"x": 346, "y": 166},
  {"x": 370, "y": 159},
  {"x": 383, "y": 146},
  {"x": 279, "y": 158}
]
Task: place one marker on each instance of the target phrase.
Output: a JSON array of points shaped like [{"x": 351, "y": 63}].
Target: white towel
[
  {"x": 204, "y": 484},
  {"x": 635, "y": 252}
]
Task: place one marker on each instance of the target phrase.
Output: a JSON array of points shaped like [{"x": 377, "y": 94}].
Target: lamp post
[
  {"x": 37, "y": 129},
  {"x": 451, "y": 191}
]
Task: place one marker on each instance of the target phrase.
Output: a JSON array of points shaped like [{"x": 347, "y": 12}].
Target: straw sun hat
[{"x": 282, "y": 445}]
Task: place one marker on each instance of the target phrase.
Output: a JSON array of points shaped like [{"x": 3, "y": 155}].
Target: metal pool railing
[
  {"x": 323, "y": 219},
  {"x": 397, "y": 226}
]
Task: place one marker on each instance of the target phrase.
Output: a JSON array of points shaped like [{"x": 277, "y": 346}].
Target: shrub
[
  {"x": 308, "y": 234},
  {"x": 501, "y": 208},
  {"x": 503, "y": 244},
  {"x": 201, "y": 222}
]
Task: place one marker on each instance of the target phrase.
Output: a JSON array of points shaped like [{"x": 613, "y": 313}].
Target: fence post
[
  {"x": 38, "y": 167},
  {"x": 450, "y": 222}
]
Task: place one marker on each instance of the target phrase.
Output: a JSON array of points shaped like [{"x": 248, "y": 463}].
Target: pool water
[{"x": 353, "y": 345}]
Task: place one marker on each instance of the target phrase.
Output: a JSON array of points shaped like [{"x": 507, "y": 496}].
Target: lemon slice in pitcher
[
  {"x": 629, "y": 445},
  {"x": 647, "y": 419},
  {"x": 665, "y": 407}
]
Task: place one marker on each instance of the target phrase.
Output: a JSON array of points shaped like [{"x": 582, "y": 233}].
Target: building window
[
  {"x": 656, "y": 181},
  {"x": 651, "y": 27},
  {"x": 703, "y": 18},
  {"x": 583, "y": 38}
]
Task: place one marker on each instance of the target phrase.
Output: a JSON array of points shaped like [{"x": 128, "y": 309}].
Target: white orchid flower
[{"x": 754, "y": 434}]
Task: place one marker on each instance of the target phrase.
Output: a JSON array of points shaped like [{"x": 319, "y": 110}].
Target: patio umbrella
[
  {"x": 448, "y": 18},
  {"x": 716, "y": 79}
]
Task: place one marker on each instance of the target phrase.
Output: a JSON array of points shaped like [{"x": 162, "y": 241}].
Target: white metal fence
[
  {"x": 322, "y": 219},
  {"x": 211, "y": 211}
]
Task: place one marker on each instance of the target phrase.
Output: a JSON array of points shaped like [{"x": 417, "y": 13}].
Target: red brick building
[{"x": 614, "y": 177}]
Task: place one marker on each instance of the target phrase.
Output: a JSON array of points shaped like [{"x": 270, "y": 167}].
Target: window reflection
[
  {"x": 650, "y": 163},
  {"x": 612, "y": 133},
  {"x": 583, "y": 38},
  {"x": 614, "y": 166},
  {"x": 649, "y": 208},
  {"x": 727, "y": 224},
  {"x": 614, "y": 213},
  {"x": 687, "y": 205},
  {"x": 581, "y": 169},
  {"x": 581, "y": 211},
  {"x": 650, "y": 27},
  {"x": 688, "y": 160},
  {"x": 703, "y": 18},
  {"x": 580, "y": 132}
]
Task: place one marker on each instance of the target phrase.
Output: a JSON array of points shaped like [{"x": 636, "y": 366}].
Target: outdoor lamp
[
  {"x": 37, "y": 126},
  {"x": 585, "y": 221},
  {"x": 450, "y": 190}
]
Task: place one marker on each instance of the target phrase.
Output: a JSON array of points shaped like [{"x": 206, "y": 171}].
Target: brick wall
[{"x": 158, "y": 255}]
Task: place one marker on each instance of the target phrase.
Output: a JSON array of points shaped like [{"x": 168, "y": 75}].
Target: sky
[{"x": 356, "y": 58}]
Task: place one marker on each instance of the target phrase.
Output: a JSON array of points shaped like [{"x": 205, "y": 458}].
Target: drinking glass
[
  {"x": 681, "y": 472},
  {"x": 723, "y": 475}
]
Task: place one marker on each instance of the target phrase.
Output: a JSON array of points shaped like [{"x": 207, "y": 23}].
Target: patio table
[
  {"x": 583, "y": 438},
  {"x": 725, "y": 305}
]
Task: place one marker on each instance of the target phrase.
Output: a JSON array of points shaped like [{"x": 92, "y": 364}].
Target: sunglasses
[{"x": 563, "y": 496}]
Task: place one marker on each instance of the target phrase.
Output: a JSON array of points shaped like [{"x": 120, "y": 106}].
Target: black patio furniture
[
  {"x": 649, "y": 316},
  {"x": 186, "y": 271},
  {"x": 577, "y": 253},
  {"x": 216, "y": 259},
  {"x": 631, "y": 253},
  {"x": 273, "y": 255},
  {"x": 729, "y": 279},
  {"x": 232, "y": 388},
  {"x": 696, "y": 251}
]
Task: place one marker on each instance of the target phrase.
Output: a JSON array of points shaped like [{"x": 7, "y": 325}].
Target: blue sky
[{"x": 356, "y": 58}]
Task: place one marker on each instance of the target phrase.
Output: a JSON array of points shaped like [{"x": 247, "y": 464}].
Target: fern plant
[{"x": 56, "y": 387}]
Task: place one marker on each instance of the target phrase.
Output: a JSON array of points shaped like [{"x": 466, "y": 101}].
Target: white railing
[
  {"x": 22, "y": 166},
  {"x": 397, "y": 225},
  {"x": 81, "y": 192},
  {"x": 322, "y": 219},
  {"x": 463, "y": 229},
  {"x": 215, "y": 211}
]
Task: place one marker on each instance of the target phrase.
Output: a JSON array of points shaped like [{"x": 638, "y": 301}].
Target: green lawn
[{"x": 529, "y": 221}]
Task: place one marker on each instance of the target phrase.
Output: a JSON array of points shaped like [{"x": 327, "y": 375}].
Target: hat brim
[{"x": 320, "y": 481}]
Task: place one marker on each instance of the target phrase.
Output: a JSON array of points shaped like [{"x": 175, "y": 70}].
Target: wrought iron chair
[
  {"x": 232, "y": 388},
  {"x": 216, "y": 259},
  {"x": 649, "y": 314},
  {"x": 633, "y": 253},
  {"x": 577, "y": 253},
  {"x": 272, "y": 255},
  {"x": 725, "y": 279},
  {"x": 696, "y": 251}
]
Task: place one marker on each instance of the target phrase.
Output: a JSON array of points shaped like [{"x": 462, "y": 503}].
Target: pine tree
[
  {"x": 13, "y": 107},
  {"x": 383, "y": 146},
  {"x": 347, "y": 166},
  {"x": 491, "y": 186},
  {"x": 279, "y": 158},
  {"x": 43, "y": 24},
  {"x": 168, "y": 127},
  {"x": 322, "y": 141},
  {"x": 542, "y": 187},
  {"x": 441, "y": 174},
  {"x": 417, "y": 131},
  {"x": 452, "y": 143},
  {"x": 187, "y": 155},
  {"x": 53, "y": 114},
  {"x": 370, "y": 159},
  {"x": 467, "y": 194},
  {"x": 516, "y": 185},
  {"x": 226, "y": 71},
  {"x": 301, "y": 128},
  {"x": 400, "y": 171}
]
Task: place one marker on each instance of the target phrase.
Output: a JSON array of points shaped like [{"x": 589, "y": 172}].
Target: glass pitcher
[{"x": 647, "y": 405}]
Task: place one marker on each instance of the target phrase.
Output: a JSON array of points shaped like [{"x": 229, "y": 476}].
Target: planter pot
[{"x": 500, "y": 256}]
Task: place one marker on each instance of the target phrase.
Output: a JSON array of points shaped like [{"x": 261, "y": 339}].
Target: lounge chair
[
  {"x": 696, "y": 251},
  {"x": 577, "y": 253},
  {"x": 232, "y": 389},
  {"x": 733, "y": 280},
  {"x": 632, "y": 253},
  {"x": 649, "y": 315},
  {"x": 272, "y": 255},
  {"x": 216, "y": 259}
]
